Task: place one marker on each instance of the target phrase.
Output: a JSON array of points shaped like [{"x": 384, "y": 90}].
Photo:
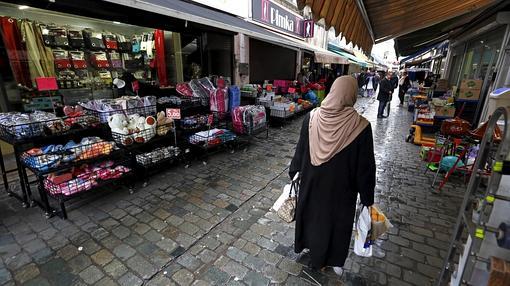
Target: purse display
[
  {"x": 135, "y": 44},
  {"x": 78, "y": 59},
  {"x": 132, "y": 61},
  {"x": 93, "y": 40},
  {"x": 99, "y": 60},
  {"x": 124, "y": 44},
  {"x": 110, "y": 41},
  {"x": 76, "y": 39},
  {"x": 116, "y": 60},
  {"x": 49, "y": 40},
  {"x": 62, "y": 60},
  {"x": 59, "y": 36}
]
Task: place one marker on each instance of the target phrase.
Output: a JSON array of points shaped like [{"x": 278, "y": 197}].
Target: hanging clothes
[
  {"x": 41, "y": 61},
  {"x": 159, "y": 43},
  {"x": 16, "y": 51}
]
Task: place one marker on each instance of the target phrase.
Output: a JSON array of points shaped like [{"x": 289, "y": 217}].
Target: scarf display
[
  {"x": 40, "y": 57},
  {"x": 335, "y": 124},
  {"x": 16, "y": 51},
  {"x": 159, "y": 42}
]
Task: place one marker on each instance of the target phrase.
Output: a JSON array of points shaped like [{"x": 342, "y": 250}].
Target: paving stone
[
  {"x": 34, "y": 246},
  {"x": 256, "y": 279},
  {"x": 255, "y": 263},
  {"x": 90, "y": 247},
  {"x": 251, "y": 248},
  {"x": 102, "y": 257},
  {"x": 124, "y": 251},
  {"x": 290, "y": 266},
  {"x": 79, "y": 262},
  {"x": 106, "y": 281},
  {"x": 183, "y": 277},
  {"x": 141, "y": 266},
  {"x": 270, "y": 257},
  {"x": 236, "y": 254},
  {"x": 5, "y": 275},
  {"x": 167, "y": 245},
  {"x": 175, "y": 220},
  {"x": 207, "y": 256},
  {"x": 428, "y": 270},
  {"x": 38, "y": 281},
  {"x": 130, "y": 279},
  {"x": 121, "y": 232},
  {"x": 235, "y": 269},
  {"x": 415, "y": 278},
  {"x": 115, "y": 269},
  {"x": 141, "y": 228},
  {"x": 158, "y": 224},
  {"x": 188, "y": 261},
  {"x": 26, "y": 273},
  {"x": 91, "y": 274},
  {"x": 267, "y": 244},
  {"x": 275, "y": 275},
  {"x": 16, "y": 261}
]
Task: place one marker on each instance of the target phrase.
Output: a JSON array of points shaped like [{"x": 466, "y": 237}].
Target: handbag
[{"x": 287, "y": 211}]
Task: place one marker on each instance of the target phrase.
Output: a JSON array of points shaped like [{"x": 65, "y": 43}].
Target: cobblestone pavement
[{"x": 211, "y": 224}]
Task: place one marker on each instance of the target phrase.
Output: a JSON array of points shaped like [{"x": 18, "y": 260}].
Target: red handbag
[
  {"x": 99, "y": 60},
  {"x": 110, "y": 41},
  {"x": 78, "y": 60}
]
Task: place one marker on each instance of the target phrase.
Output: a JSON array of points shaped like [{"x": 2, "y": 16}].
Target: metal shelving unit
[{"x": 472, "y": 229}]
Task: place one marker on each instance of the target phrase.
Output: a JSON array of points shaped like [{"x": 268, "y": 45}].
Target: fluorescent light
[
  {"x": 23, "y": 7},
  {"x": 116, "y": 22}
]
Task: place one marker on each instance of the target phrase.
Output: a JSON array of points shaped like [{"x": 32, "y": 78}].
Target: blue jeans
[{"x": 382, "y": 105}]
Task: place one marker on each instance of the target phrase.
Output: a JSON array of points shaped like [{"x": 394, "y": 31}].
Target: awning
[
  {"x": 321, "y": 55},
  {"x": 424, "y": 50},
  {"x": 364, "y": 22},
  {"x": 352, "y": 58},
  {"x": 209, "y": 17}
]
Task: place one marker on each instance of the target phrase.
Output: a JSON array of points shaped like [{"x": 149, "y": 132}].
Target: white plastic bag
[
  {"x": 284, "y": 195},
  {"x": 362, "y": 242}
]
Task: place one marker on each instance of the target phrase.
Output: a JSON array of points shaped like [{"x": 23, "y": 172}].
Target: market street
[{"x": 211, "y": 224}]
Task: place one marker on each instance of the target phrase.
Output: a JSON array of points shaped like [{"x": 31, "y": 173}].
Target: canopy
[
  {"x": 364, "y": 22},
  {"x": 352, "y": 58}
]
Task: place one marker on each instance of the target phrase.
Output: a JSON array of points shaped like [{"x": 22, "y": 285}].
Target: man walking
[{"x": 384, "y": 96}]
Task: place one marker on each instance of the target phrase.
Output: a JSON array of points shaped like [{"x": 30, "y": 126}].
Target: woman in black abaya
[{"x": 335, "y": 157}]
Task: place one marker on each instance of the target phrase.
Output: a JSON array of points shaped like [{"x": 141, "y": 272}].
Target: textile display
[
  {"x": 159, "y": 42},
  {"x": 40, "y": 57},
  {"x": 16, "y": 51}
]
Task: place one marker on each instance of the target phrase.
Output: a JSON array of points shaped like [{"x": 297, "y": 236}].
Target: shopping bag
[
  {"x": 286, "y": 204},
  {"x": 380, "y": 223},
  {"x": 362, "y": 241}
]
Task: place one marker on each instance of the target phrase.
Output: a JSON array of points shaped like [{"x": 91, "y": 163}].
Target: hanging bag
[
  {"x": 362, "y": 239},
  {"x": 287, "y": 210}
]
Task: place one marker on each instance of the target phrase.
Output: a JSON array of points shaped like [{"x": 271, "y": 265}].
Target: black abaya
[{"x": 327, "y": 197}]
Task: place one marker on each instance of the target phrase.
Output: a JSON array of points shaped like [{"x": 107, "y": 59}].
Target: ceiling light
[
  {"x": 116, "y": 22},
  {"x": 23, "y": 7}
]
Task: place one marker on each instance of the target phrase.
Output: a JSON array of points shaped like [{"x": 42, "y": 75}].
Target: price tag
[
  {"x": 269, "y": 87},
  {"x": 292, "y": 90},
  {"x": 174, "y": 113}
]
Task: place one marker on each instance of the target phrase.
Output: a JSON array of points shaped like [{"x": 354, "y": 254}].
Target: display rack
[
  {"x": 471, "y": 228},
  {"x": 63, "y": 187},
  {"x": 22, "y": 136}
]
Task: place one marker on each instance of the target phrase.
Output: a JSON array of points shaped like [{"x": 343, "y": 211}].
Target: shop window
[{"x": 86, "y": 55}]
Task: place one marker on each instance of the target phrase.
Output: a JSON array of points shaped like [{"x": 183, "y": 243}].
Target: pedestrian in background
[
  {"x": 335, "y": 158},
  {"x": 369, "y": 85},
  {"x": 361, "y": 82},
  {"x": 403, "y": 84},
  {"x": 377, "y": 79},
  {"x": 385, "y": 90}
]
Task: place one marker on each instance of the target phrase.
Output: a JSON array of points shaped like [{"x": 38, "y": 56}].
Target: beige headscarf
[{"x": 336, "y": 123}]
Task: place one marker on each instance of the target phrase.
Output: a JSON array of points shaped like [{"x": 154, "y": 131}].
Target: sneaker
[{"x": 338, "y": 270}]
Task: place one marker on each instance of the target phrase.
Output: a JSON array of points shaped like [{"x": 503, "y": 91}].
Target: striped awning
[{"x": 365, "y": 22}]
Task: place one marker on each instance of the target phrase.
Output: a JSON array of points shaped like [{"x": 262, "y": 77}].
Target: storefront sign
[
  {"x": 236, "y": 7},
  {"x": 174, "y": 113},
  {"x": 308, "y": 29},
  {"x": 274, "y": 15}
]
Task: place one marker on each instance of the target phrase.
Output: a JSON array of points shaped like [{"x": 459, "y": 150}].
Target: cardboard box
[
  {"x": 444, "y": 111},
  {"x": 469, "y": 94},
  {"x": 471, "y": 84}
]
